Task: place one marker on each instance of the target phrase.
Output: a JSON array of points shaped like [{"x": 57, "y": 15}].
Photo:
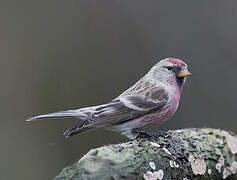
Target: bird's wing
[
  {"x": 128, "y": 107},
  {"x": 121, "y": 109}
]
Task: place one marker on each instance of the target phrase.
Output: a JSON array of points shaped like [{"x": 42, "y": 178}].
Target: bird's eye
[{"x": 169, "y": 68}]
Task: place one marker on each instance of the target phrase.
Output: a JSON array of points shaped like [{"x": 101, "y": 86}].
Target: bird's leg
[{"x": 143, "y": 134}]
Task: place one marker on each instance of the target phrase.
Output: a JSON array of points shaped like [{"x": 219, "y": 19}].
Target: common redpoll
[{"x": 153, "y": 99}]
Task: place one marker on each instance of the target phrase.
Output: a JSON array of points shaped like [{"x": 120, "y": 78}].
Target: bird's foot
[{"x": 143, "y": 134}]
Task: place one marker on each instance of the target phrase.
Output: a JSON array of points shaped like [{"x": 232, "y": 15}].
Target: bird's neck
[{"x": 177, "y": 84}]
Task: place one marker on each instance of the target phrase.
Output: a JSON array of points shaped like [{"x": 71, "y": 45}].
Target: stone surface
[{"x": 184, "y": 154}]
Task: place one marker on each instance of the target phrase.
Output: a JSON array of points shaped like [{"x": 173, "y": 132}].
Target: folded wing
[{"x": 122, "y": 109}]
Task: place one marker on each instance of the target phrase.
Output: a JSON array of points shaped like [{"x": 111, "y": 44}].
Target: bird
[{"x": 151, "y": 100}]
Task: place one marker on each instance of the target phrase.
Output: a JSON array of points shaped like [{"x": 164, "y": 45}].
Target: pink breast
[
  {"x": 154, "y": 118},
  {"x": 168, "y": 110}
]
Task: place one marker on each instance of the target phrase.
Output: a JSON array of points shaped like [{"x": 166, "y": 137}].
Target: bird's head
[{"x": 169, "y": 71}]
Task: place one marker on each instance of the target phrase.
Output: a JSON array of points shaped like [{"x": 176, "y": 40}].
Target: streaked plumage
[{"x": 154, "y": 98}]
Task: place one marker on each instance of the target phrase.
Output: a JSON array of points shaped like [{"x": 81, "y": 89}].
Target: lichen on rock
[
  {"x": 198, "y": 164},
  {"x": 184, "y": 154},
  {"x": 231, "y": 142}
]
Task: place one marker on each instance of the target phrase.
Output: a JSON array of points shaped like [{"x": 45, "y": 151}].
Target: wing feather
[{"x": 128, "y": 107}]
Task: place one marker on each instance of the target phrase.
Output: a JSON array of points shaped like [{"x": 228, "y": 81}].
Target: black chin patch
[{"x": 179, "y": 80}]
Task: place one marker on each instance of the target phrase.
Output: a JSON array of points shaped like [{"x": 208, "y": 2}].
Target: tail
[
  {"x": 81, "y": 114},
  {"x": 61, "y": 114},
  {"x": 93, "y": 117}
]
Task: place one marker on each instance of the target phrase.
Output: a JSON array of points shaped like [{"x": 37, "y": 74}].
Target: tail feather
[
  {"x": 61, "y": 114},
  {"x": 76, "y": 130}
]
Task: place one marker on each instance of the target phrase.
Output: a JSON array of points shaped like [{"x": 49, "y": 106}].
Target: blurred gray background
[{"x": 65, "y": 54}]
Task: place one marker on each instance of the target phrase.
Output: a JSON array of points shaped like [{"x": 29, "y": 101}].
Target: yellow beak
[{"x": 184, "y": 73}]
